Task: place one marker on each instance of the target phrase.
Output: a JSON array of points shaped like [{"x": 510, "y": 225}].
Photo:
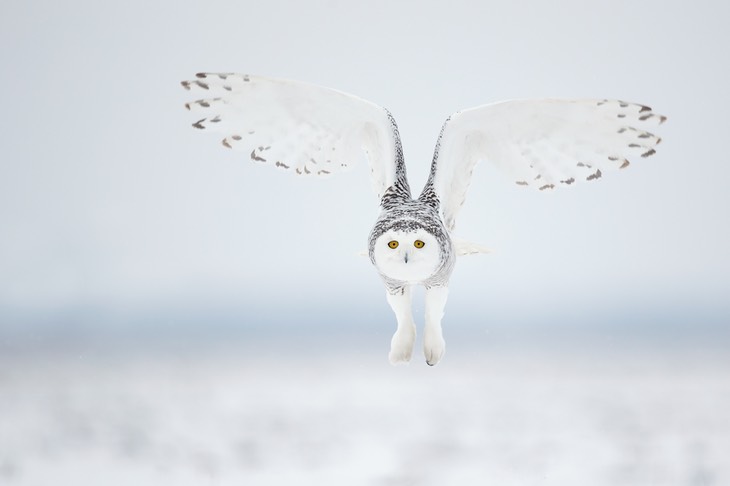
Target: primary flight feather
[{"x": 312, "y": 131}]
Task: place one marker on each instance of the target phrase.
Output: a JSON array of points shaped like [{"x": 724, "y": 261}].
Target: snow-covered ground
[{"x": 265, "y": 415}]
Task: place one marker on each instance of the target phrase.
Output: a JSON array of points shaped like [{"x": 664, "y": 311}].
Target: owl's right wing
[
  {"x": 297, "y": 127},
  {"x": 543, "y": 144}
]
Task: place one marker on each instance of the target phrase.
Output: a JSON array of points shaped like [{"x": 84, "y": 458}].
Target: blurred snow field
[{"x": 275, "y": 417}]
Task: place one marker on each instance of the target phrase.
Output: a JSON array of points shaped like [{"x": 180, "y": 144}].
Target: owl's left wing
[
  {"x": 297, "y": 127},
  {"x": 543, "y": 144}
]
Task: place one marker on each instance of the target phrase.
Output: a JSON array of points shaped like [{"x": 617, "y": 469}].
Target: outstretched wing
[
  {"x": 296, "y": 127},
  {"x": 543, "y": 144}
]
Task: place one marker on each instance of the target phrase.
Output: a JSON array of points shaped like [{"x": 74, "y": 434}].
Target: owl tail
[{"x": 463, "y": 247}]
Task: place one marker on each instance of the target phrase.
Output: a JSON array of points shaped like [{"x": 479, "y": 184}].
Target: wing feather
[
  {"x": 296, "y": 127},
  {"x": 542, "y": 144}
]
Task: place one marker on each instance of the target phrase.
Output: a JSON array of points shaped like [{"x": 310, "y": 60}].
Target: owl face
[{"x": 408, "y": 256}]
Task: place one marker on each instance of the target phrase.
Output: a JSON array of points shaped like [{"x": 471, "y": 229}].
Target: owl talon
[
  {"x": 397, "y": 358},
  {"x": 434, "y": 349},
  {"x": 401, "y": 346}
]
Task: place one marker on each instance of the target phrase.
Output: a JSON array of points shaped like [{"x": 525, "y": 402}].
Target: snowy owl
[{"x": 312, "y": 131}]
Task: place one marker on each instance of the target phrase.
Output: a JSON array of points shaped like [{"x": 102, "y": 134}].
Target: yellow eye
[
  {"x": 418, "y": 244},
  {"x": 393, "y": 244}
]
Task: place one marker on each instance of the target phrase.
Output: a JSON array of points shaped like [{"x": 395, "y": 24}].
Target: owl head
[{"x": 407, "y": 253}]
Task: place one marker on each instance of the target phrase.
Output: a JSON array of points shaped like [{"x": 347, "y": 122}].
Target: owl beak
[{"x": 405, "y": 258}]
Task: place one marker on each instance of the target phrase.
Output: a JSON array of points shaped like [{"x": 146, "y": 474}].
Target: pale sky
[{"x": 110, "y": 203}]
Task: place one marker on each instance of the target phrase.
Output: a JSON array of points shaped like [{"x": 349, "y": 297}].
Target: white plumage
[
  {"x": 543, "y": 144},
  {"x": 299, "y": 128},
  {"x": 311, "y": 131}
]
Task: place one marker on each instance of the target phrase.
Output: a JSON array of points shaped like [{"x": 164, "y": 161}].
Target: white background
[
  {"x": 109, "y": 201},
  {"x": 589, "y": 349}
]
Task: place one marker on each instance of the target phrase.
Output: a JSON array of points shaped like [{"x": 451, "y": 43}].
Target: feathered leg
[
  {"x": 434, "y": 345},
  {"x": 401, "y": 346}
]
